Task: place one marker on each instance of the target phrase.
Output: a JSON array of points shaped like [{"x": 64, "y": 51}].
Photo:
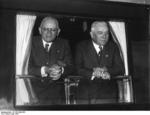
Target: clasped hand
[
  {"x": 101, "y": 73},
  {"x": 54, "y": 71}
]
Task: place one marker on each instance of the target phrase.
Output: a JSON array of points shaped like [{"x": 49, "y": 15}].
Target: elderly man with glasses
[{"x": 50, "y": 61}]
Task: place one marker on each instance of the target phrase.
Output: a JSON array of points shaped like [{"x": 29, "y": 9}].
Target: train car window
[{"x": 75, "y": 30}]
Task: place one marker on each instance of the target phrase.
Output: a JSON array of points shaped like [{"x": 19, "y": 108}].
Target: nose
[
  {"x": 104, "y": 35},
  {"x": 49, "y": 30}
]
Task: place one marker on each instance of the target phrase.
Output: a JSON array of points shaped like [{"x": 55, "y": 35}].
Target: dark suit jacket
[
  {"x": 59, "y": 51},
  {"x": 87, "y": 59}
]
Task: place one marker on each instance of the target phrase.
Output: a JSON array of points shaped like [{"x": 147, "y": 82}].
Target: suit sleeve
[
  {"x": 117, "y": 64},
  {"x": 79, "y": 62},
  {"x": 33, "y": 69}
]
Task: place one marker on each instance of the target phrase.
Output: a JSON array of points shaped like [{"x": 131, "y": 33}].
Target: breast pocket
[
  {"x": 59, "y": 54},
  {"x": 107, "y": 59}
]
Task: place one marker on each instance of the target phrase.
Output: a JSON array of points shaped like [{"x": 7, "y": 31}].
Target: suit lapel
[
  {"x": 41, "y": 47},
  {"x": 105, "y": 54},
  {"x": 93, "y": 54},
  {"x": 52, "y": 53}
]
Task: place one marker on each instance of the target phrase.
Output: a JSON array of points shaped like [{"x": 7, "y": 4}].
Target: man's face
[
  {"x": 99, "y": 34},
  {"x": 49, "y": 30}
]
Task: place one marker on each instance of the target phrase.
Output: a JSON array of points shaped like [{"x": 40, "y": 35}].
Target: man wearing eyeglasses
[
  {"x": 98, "y": 61},
  {"x": 50, "y": 61}
]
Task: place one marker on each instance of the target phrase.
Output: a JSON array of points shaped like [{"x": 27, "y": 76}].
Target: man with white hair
[
  {"x": 98, "y": 61},
  {"x": 50, "y": 61}
]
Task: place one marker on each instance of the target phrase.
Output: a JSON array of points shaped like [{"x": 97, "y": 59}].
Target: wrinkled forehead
[
  {"x": 99, "y": 26},
  {"x": 49, "y": 23}
]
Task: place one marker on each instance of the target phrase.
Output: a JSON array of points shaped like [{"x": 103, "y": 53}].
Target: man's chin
[
  {"x": 50, "y": 40},
  {"x": 102, "y": 44}
]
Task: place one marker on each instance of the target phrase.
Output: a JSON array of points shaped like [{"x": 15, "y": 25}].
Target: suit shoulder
[
  {"x": 36, "y": 38},
  {"x": 113, "y": 44},
  {"x": 61, "y": 40},
  {"x": 83, "y": 43}
]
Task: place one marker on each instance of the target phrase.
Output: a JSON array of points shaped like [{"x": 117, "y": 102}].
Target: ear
[
  {"x": 40, "y": 31},
  {"x": 91, "y": 33},
  {"x": 58, "y": 31}
]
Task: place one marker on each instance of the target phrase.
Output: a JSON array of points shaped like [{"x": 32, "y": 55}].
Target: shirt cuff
[
  {"x": 93, "y": 77},
  {"x": 43, "y": 74}
]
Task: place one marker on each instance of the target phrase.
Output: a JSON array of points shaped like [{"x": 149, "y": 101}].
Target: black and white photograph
[{"x": 74, "y": 55}]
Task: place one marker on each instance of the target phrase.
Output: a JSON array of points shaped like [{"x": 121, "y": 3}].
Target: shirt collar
[
  {"x": 44, "y": 43},
  {"x": 96, "y": 46}
]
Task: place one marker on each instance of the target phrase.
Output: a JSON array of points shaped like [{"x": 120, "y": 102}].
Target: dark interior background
[{"x": 71, "y": 15}]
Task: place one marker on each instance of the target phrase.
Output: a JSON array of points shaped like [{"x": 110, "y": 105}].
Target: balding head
[
  {"x": 99, "y": 32},
  {"x": 98, "y": 24},
  {"x": 49, "y": 29},
  {"x": 49, "y": 19}
]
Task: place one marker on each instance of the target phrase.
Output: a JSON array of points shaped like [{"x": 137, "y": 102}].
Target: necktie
[
  {"x": 100, "y": 50},
  {"x": 100, "y": 55},
  {"x": 46, "y": 47}
]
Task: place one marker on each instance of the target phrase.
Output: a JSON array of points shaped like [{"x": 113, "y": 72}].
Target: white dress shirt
[
  {"x": 96, "y": 46},
  {"x": 49, "y": 44}
]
